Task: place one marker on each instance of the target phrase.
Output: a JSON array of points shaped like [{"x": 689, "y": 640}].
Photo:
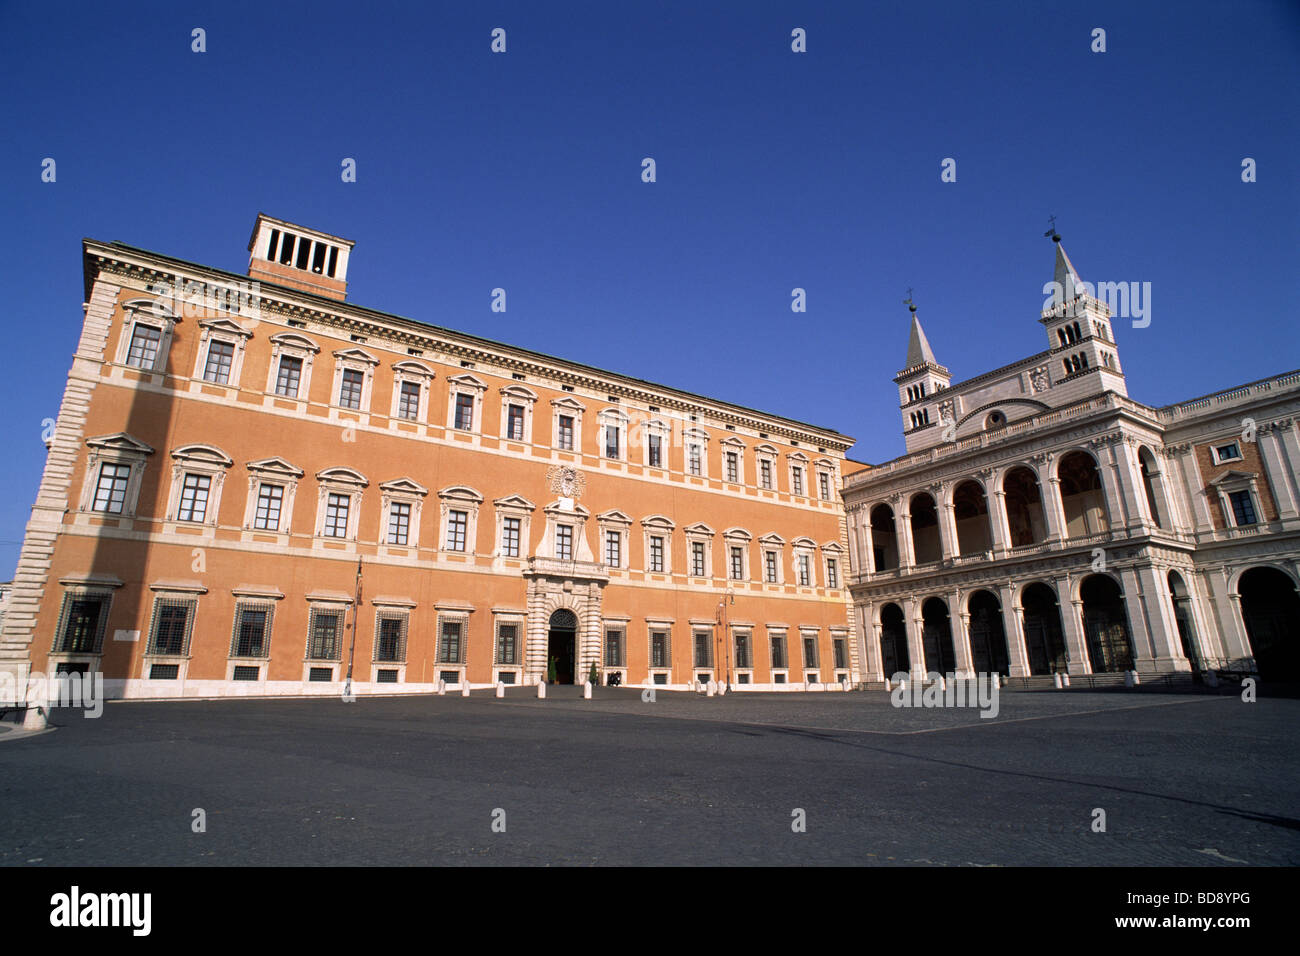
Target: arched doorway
[
  {"x": 1151, "y": 485},
  {"x": 925, "y": 529},
  {"x": 1025, "y": 519},
  {"x": 936, "y": 637},
  {"x": 561, "y": 646},
  {"x": 1270, "y": 609},
  {"x": 884, "y": 543},
  {"x": 1082, "y": 498},
  {"x": 988, "y": 636},
  {"x": 1044, "y": 638},
  {"x": 893, "y": 641},
  {"x": 1105, "y": 625},
  {"x": 1182, "y": 601},
  {"x": 971, "y": 513}
]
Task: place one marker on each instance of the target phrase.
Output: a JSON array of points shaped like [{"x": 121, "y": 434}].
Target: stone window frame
[
  {"x": 840, "y": 638},
  {"x": 512, "y": 506},
  {"x": 664, "y": 432},
  {"x": 833, "y": 551},
  {"x": 391, "y": 609},
  {"x": 695, "y": 436},
  {"x": 769, "y": 454},
  {"x": 825, "y": 467},
  {"x": 572, "y": 408},
  {"x": 699, "y": 533},
  {"x": 748, "y": 631},
  {"x": 118, "y": 449},
  {"x": 340, "y": 605},
  {"x": 798, "y": 461},
  {"x": 616, "y": 418},
  {"x": 83, "y": 588},
  {"x": 406, "y": 491},
  {"x": 292, "y": 345},
  {"x": 475, "y": 388},
  {"x": 519, "y": 621},
  {"x": 356, "y": 360},
  {"x": 175, "y": 593},
  {"x": 773, "y": 543},
  {"x": 459, "y": 498},
  {"x": 453, "y": 614},
  {"x": 339, "y": 481},
  {"x": 619, "y": 624},
  {"x": 415, "y": 373},
  {"x": 197, "y": 459},
  {"x": 805, "y": 633},
  {"x": 271, "y": 471},
  {"x": 517, "y": 395},
  {"x": 738, "y": 537},
  {"x": 664, "y": 625},
  {"x": 736, "y": 446},
  {"x": 158, "y": 316},
  {"x": 227, "y": 331},
  {"x": 252, "y": 601},
  {"x": 657, "y": 526},
  {"x": 616, "y": 522},
  {"x": 805, "y": 548},
  {"x": 782, "y": 633},
  {"x": 1234, "y": 481},
  {"x": 557, "y": 513},
  {"x": 1214, "y": 451}
]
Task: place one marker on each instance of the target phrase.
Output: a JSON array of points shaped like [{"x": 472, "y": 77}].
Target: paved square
[{"x": 1183, "y": 779}]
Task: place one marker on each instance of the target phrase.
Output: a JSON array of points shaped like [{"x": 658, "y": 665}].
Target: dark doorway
[
  {"x": 936, "y": 637},
  {"x": 1044, "y": 639},
  {"x": 988, "y": 637},
  {"x": 561, "y": 644},
  {"x": 1105, "y": 625},
  {"x": 1271, "y": 611},
  {"x": 893, "y": 641},
  {"x": 1183, "y": 618}
]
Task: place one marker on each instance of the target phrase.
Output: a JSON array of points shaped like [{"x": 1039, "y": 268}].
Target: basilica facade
[
  {"x": 256, "y": 487},
  {"x": 1042, "y": 522}
]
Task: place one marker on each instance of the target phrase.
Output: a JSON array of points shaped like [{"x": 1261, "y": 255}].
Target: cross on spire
[
  {"x": 1052, "y": 233},
  {"x": 911, "y": 306}
]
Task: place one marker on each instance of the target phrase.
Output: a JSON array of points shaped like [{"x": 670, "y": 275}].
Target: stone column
[
  {"x": 1273, "y": 453},
  {"x": 999, "y": 522},
  {"x": 851, "y": 519},
  {"x": 1138, "y": 512},
  {"x": 961, "y": 638},
  {"x": 915, "y": 647},
  {"x": 1013, "y": 625},
  {"x": 949, "y": 546},
  {"x": 903, "y": 538},
  {"x": 867, "y": 546},
  {"x": 1152, "y": 591},
  {"x": 1116, "y": 513},
  {"x": 870, "y": 641},
  {"x": 1194, "y": 485},
  {"x": 1072, "y": 624}
]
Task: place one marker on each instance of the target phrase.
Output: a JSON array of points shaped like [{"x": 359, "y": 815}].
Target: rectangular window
[
  {"x": 252, "y": 630},
  {"x": 765, "y": 473},
  {"x": 515, "y": 422},
  {"x": 697, "y": 558},
  {"x": 742, "y": 649},
  {"x": 737, "y": 564},
  {"x": 457, "y": 526},
  {"x": 778, "y": 650},
  {"x": 658, "y": 648},
  {"x": 220, "y": 355},
  {"x": 350, "y": 390},
  {"x": 269, "y": 500},
  {"x": 336, "y": 516},
  {"x": 390, "y": 642},
  {"x": 82, "y": 625},
  {"x": 145, "y": 341},
  {"x": 693, "y": 459},
  {"x": 656, "y": 451},
  {"x": 507, "y": 643},
  {"x": 450, "y": 644},
  {"x": 324, "y": 639},
  {"x": 565, "y": 436},
  {"x": 810, "y": 652},
  {"x": 408, "y": 401},
  {"x": 769, "y": 566},
  {"x": 733, "y": 467},
  {"x": 841, "y": 657},
  {"x": 399, "y": 523},
  {"x": 289, "y": 376},
  {"x": 611, "y": 441},
  {"x": 171, "y": 626},
  {"x": 510, "y": 537},
  {"x": 1229, "y": 452},
  {"x": 564, "y": 542},
  {"x": 194, "y": 498},
  {"x": 110, "y": 492},
  {"x": 1243, "y": 508},
  {"x": 824, "y": 483},
  {"x": 464, "y": 412},
  {"x": 805, "y": 578},
  {"x": 703, "y": 649},
  {"x": 614, "y": 648},
  {"x": 796, "y": 478},
  {"x": 832, "y": 574},
  {"x": 614, "y": 549},
  {"x": 656, "y": 553}
]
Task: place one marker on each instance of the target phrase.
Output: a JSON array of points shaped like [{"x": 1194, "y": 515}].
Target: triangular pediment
[
  {"x": 120, "y": 441},
  {"x": 1233, "y": 475},
  {"x": 274, "y": 466},
  {"x": 405, "y": 486},
  {"x": 514, "y": 501},
  {"x": 356, "y": 355},
  {"x": 699, "y": 528},
  {"x": 467, "y": 380},
  {"x": 225, "y": 325},
  {"x": 614, "y": 517}
]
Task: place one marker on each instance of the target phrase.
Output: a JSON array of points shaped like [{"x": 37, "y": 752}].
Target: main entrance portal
[{"x": 561, "y": 647}]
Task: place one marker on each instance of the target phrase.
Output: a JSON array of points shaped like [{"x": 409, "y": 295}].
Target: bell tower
[
  {"x": 919, "y": 383},
  {"x": 1079, "y": 333}
]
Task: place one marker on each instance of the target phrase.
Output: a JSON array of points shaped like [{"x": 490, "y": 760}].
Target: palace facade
[
  {"x": 1044, "y": 522},
  {"x": 254, "y": 485}
]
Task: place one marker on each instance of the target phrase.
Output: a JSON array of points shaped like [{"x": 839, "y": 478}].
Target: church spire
[
  {"x": 1066, "y": 276},
  {"x": 918, "y": 346}
]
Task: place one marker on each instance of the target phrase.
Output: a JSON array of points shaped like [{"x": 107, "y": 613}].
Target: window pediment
[
  {"x": 802, "y": 543},
  {"x": 773, "y": 538},
  {"x": 461, "y": 493},
  {"x": 699, "y": 528},
  {"x": 120, "y": 442},
  {"x": 557, "y": 509},
  {"x": 404, "y": 486},
  {"x": 414, "y": 368},
  {"x": 292, "y": 340},
  {"x": 518, "y": 391},
  {"x": 514, "y": 502},
  {"x": 739, "y": 534},
  {"x": 733, "y": 443},
  {"x": 832, "y": 547},
  {"x": 568, "y": 403},
  {"x": 202, "y": 454},
  {"x": 798, "y": 456},
  {"x": 696, "y": 434},
  {"x": 342, "y": 476},
  {"x": 225, "y": 325},
  {"x": 158, "y": 308},
  {"x": 614, "y": 517},
  {"x": 356, "y": 355},
  {"x": 767, "y": 450},
  {"x": 274, "y": 466},
  {"x": 465, "y": 380},
  {"x": 659, "y": 522}
]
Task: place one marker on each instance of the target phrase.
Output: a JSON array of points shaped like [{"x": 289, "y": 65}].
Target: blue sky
[{"x": 775, "y": 170}]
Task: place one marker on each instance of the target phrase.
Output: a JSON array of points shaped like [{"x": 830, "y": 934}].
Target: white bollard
[
  {"x": 888, "y": 686},
  {"x": 501, "y": 688},
  {"x": 1065, "y": 679},
  {"x": 844, "y": 684},
  {"x": 1056, "y": 681},
  {"x": 464, "y": 687},
  {"x": 586, "y": 690},
  {"x": 34, "y": 719},
  {"x": 722, "y": 688},
  {"x": 710, "y": 689},
  {"x": 1131, "y": 679},
  {"x": 943, "y": 683},
  {"x": 442, "y": 687},
  {"x": 541, "y": 690}
]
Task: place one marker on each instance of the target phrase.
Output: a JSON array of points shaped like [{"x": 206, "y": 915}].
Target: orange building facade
[{"x": 254, "y": 486}]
